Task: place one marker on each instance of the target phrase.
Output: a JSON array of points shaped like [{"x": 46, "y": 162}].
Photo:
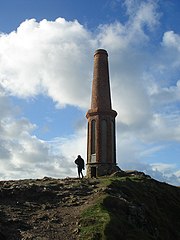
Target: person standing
[{"x": 80, "y": 165}]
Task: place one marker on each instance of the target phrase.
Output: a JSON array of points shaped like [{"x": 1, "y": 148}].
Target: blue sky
[{"x": 46, "y": 62}]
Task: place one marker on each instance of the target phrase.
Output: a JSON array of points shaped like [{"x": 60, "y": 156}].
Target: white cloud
[
  {"x": 23, "y": 155},
  {"x": 47, "y": 57},
  {"x": 171, "y": 40},
  {"x": 171, "y": 44},
  {"x": 142, "y": 13},
  {"x": 142, "y": 16},
  {"x": 166, "y": 95},
  {"x": 168, "y": 172},
  {"x": 135, "y": 155}
]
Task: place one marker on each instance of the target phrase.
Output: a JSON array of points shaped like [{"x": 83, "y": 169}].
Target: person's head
[{"x": 79, "y": 156}]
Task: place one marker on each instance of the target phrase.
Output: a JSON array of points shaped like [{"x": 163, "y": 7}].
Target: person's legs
[{"x": 79, "y": 171}]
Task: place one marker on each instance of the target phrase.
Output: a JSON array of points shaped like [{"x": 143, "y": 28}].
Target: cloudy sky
[{"x": 46, "y": 64}]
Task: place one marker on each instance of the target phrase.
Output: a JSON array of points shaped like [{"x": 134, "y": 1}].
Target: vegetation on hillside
[{"x": 133, "y": 207}]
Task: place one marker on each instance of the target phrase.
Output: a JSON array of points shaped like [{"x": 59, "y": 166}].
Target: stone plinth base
[{"x": 97, "y": 170}]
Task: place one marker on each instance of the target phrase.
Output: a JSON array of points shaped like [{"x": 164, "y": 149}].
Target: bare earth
[{"x": 44, "y": 209}]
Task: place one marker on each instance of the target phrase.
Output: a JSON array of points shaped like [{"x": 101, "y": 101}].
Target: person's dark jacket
[{"x": 80, "y": 162}]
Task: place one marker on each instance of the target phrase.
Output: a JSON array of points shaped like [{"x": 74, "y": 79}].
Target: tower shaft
[{"x": 101, "y": 97}]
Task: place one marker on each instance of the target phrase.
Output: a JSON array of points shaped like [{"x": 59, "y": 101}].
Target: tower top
[{"x": 100, "y": 51}]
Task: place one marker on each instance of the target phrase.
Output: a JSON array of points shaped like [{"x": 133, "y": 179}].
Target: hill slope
[{"x": 132, "y": 206}]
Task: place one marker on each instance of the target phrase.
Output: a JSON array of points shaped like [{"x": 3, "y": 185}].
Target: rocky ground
[{"x": 45, "y": 208}]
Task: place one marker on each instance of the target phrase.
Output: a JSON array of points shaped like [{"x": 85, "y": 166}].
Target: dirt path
[{"x": 44, "y": 209}]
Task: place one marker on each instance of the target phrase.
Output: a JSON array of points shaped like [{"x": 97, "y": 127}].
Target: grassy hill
[
  {"x": 126, "y": 206},
  {"x": 133, "y": 207}
]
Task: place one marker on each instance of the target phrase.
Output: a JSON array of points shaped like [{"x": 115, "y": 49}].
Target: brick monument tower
[{"x": 101, "y": 141}]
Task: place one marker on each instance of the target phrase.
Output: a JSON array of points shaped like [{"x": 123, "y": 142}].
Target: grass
[
  {"x": 94, "y": 221},
  {"x": 133, "y": 208}
]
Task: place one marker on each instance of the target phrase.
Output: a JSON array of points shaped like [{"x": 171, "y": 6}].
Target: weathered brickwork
[{"x": 101, "y": 142}]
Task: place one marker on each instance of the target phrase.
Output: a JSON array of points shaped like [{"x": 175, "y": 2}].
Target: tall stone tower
[{"x": 101, "y": 142}]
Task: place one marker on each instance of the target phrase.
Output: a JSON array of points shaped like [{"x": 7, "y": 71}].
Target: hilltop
[{"x": 123, "y": 206}]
